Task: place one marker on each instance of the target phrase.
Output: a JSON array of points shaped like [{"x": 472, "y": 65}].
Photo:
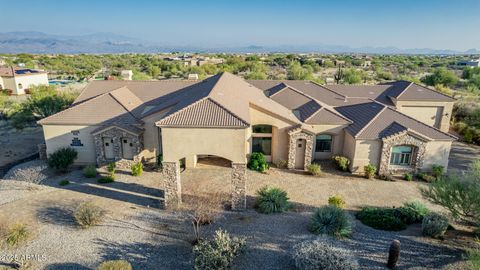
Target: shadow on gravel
[
  {"x": 56, "y": 215},
  {"x": 66, "y": 266}
]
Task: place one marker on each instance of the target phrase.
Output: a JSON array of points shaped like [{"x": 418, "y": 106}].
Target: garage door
[{"x": 431, "y": 115}]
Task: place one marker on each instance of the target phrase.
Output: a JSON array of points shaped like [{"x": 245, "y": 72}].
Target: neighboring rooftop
[{"x": 16, "y": 71}]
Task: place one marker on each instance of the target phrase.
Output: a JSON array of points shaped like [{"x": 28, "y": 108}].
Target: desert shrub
[
  {"x": 64, "y": 182},
  {"x": 62, "y": 159},
  {"x": 281, "y": 163},
  {"x": 137, "y": 169},
  {"x": 111, "y": 167},
  {"x": 459, "y": 194},
  {"x": 437, "y": 170},
  {"x": 257, "y": 162},
  {"x": 434, "y": 225},
  {"x": 218, "y": 253},
  {"x": 115, "y": 265},
  {"x": 323, "y": 254},
  {"x": 460, "y": 127},
  {"x": 271, "y": 200},
  {"x": 89, "y": 214},
  {"x": 331, "y": 220},
  {"x": 473, "y": 255},
  {"x": 468, "y": 135},
  {"x": 408, "y": 176},
  {"x": 106, "y": 179},
  {"x": 202, "y": 209},
  {"x": 16, "y": 234},
  {"x": 341, "y": 162},
  {"x": 385, "y": 219},
  {"x": 413, "y": 212},
  {"x": 314, "y": 169},
  {"x": 90, "y": 171},
  {"x": 387, "y": 177},
  {"x": 369, "y": 171},
  {"x": 337, "y": 201}
]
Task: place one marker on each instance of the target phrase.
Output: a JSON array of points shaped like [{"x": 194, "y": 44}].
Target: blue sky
[{"x": 437, "y": 24}]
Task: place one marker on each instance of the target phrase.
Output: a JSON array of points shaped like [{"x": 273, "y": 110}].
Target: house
[
  {"x": 126, "y": 75},
  {"x": 18, "y": 80},
  {"x": 398, "y": 126},
  {"x": 470, "y": 63}
]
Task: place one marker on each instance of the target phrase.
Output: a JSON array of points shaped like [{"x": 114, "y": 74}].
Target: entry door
[
  {"x": 127, "y": 148},
  {"x": 300, "y": 154},
  {"x": 108, "y": 148}
]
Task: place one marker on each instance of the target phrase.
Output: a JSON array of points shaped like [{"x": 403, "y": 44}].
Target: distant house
[
  {"x": 126, "y": 75},
  {"x": 193, "y": 76},
  {"x": 18, "y": 80},
  {"x": 470, "y": 63}
]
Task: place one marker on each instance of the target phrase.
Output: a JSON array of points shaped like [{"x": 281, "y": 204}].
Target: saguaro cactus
[{"x": 393, "y": 254}]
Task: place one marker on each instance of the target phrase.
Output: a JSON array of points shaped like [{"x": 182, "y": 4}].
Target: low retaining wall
[{"x": 5, "y": 168}]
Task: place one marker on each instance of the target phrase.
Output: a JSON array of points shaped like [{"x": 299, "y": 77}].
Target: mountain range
[{"x": 38, "y": 42}]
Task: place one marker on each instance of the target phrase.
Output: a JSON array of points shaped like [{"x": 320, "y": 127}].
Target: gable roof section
[
  {"x": 101, "y": 110},
  {"x": 205, "y": 113},
  {"x": 306, "y": 110},
  {"x": 360, "y": 114},
  {"x": 417, "y": 92},
  {"x": 325, "y": 116}
]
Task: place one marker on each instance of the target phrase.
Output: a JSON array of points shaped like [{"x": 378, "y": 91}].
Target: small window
[
  {"x": 76, "y": 142},
  {"x": 262, "y": 129},
  {"x": 124, "y": 141},
  {"x": 401, "y": 155},
  {"x": 262, "y": 145},
  {"x": 323, "y": 143},
  {"x": 107, "y": 144},
  {"x": 20, "y": 86}
]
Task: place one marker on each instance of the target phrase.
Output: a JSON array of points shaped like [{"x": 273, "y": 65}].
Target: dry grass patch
[
  {"x": 88, "y": 214},
  {"x": 14, "y": 234}
]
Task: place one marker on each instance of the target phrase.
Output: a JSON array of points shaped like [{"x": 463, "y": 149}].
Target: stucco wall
[
  {"x": 349, "y": 146},
  {"x": 27, "y": 82},
  {"x": 151, "y": 141},
  {"x": 437, "y": 152},
  {"x": 186, "y": 143},
  {"x": 423, "y": 111},
  {"x": 279, "y": 134},
  {"x": 338, "y": 134},
  {"x": 366, "y": 151},
  {"x": 58, "y": 136}
]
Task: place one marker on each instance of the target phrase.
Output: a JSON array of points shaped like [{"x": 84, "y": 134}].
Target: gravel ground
[
  {"x": 34, "y": 171},
  {"x": 151, "y": 238}
]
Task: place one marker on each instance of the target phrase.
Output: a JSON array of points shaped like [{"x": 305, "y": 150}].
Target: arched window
[
  {"x": 401, "y": 155},
  {"x": 324, "y": 143},
  {"x": 20, "y": 86},
  {"x": 262, "y": 139}
]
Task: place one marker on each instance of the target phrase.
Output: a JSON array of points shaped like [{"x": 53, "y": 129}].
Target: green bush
[
  {"x": 137, "y": 169},
  {"x": 323, "y": 253},
  {"x": 62, "y": 159},
  {"x": 386, "y": 219},
  {"x": 64, "y": 183},
  {"x": 437, "y": 170},
  {"x": 257, "y": 162},
  {"x": 111, "y": 167},
  {"x": 271, "y": 200},
  {"x": 314, "y": 169},
  {"x": 425, "y": 177},
  {"x": 90, "y": 171},
  {"x": 468, "y": 135},
  {"x": 115, "y": 265},
  {"x": 369, "y": 171},
  {"x": 341, "y": 162},
  {"x": 473, "y": 255},
  {"x": 331, "y": 220},
  {"x": 218, "y": 253},
  {"x": 88, "y": 214},
  {"x": 16, "y": 234},
  {"x": 337, "y": 200},
  {"x": 408, "y": 176},
  {"x": 434, "y": 225},
  {"x": 413, "y": 212},
  {"x": 106, "y": 179}
]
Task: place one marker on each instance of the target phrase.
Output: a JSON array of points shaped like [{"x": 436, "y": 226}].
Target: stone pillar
[
  {"x": 239, "y": 186},
  {"x": 294, "y": 136},
  {"x": 42, "y": 151},
  {"x": 172, "y": 184}
]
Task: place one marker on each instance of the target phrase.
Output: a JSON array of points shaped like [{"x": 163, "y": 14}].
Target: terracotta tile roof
[
  {"x": 16, "y": 71},
  {"x": 325, "y": 116}
]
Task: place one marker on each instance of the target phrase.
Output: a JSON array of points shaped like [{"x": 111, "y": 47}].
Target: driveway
[{"x": 462, "y": 155}]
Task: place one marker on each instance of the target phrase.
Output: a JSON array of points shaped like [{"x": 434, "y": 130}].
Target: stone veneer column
[
  {"x": 292, "y": 148},
  {"x": 402, "y": 139},
  {"x": 42, "y": 151},
  {"x": 239, "y": 186},
  {"x": 172, "y": 184}
]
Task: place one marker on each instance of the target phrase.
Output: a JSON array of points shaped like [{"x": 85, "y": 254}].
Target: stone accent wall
[
  {"x": 239, "y": 179},
  {"x": 294, "y": 136},
  {"x": 116, "y": 135},
  {"x": 42, "y": 151},
  {"x": 404, "y": 138},
  {"x": 172, "y": 184}
]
